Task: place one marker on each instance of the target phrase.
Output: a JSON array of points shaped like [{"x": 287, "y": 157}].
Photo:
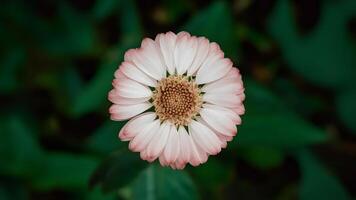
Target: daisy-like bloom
[{"x": 183, "y": 99}]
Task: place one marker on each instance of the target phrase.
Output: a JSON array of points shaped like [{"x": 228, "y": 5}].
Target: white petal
[
  {"x": 184, "y": 53},
  {"x": 159, "y": 141},
  {"x": 148, "y": 59},
  {"x": 230, "y": 83},
  {"x": 171, "y": 150},
  {"x": 115, "y": 98},
  {"x": 209, "y": 72},
  {"x": 185, "y": 146},
  {"x": 167, "y": 43},
  {"x": 131, "y": 71},
  {"x": 221, "y": 120},
  {"x": 225, "y": 100},
  {"x": 141, "y": 140},
  {"x": 123, "y": 112},
  {"x": 198, "y": 155},
  {"x": 202, "y": 52},
  {"x": 130, "y": 89},
  {"x": 204, "y": 137},
  {"x": 135, "y": 125}
]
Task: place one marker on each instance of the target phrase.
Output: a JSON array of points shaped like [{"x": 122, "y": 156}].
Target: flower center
[{"x": 177, "y": 100}]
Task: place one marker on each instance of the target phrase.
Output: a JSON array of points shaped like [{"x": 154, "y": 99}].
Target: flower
[{"x": 183, "y": 99}]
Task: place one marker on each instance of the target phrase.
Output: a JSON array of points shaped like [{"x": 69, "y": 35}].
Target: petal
[
  {"x": 225, "y": 100},
  {"x": 230, "y": 83},
  {"x": 197, "y": 155},
  {"x": 130, "y": 89},
  {"x": 167, "y": 43},
  {"x": 159, "y": 141},
  {"x": 148, "y": 59},
  {"x": 184, "y": 53},
  {"x": 221, "y": 120},
  {"x": 185, "y": 148},
  {"x": 204, "y": 137},
  {"x": 209, "y": 72},
  {"x": 115, "y": 98},
  {"x": 123, "y": 112},
  {"x": 202, "y": 52},
  {"x": 140, "y": 141},
  {"x": 135, "y": 125},
  {"x": 134, "y": 73},
  {"x": 171, "y": 150}
]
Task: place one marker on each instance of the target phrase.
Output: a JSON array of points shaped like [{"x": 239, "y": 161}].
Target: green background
[{"x": 297, "y": 139}]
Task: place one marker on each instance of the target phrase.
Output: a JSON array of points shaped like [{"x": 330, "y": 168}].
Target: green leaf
[
  {"x": 212, "y": 175},
  {"x": 96, "y": 194},
  {"x": 117, "y": 171},
  {"x": 346, "y": 107},
  {"x": 73, "y": 34},
  {"x": 279, "y": 130},
  {"x": 12, "y": 191},
  {"x": 94, "y": 94},
  {"x": 105, "y": 139},
  {"x": 215, "y": 23},
  {"x": 104, "y": 8},
  {"x": 10, "y": 64},
  {"x": 65, "y": 171},
  {"x": 326, "y": 55},
  {"x": 269, "y": 122},
  {"x": 157, "y": 183},
  {"x": 262, "y": 157},
  {"x": 20, "y": 154},
  {"x": 317, "y": 182}
]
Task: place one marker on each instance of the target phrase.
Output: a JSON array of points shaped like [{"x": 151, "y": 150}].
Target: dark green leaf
[
  {"x": 75, "y": 34},
  {"x": 346, "y": 107},
  {"x": 279, "y": 130},
  {"x": 269, "y": 122},
  {"x": 117, "y": 171},
  {"x": 20, "y": 154},
  {"x": 65, "y": 171},
  {"x": 158, "y": 183},
  {"x": 95, "y": 93},
  {"x": 105, "y": 139},
  {"x": 317, "y": 182},
  {"x": 213, "y": 174},
  {"x": 215, "y": 23},
  {"x": 12, "y": 191},
  {"x": 104, "y": 8},
  {"x": 326, "y": 55},
  {"x": 262, "y": 157},
  {"x": 10, "y": 64}
]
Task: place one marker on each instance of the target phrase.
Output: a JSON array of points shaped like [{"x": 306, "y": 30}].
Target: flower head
[{"x": 183, "y": 99}]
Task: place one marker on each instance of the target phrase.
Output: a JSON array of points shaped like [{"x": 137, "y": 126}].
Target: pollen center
[{"x": 177, "y": 100}]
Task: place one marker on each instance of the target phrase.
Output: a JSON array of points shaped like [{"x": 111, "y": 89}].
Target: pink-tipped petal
[
  {"x": 159, "y": 141},
  {"x": 210, "y": 72},
  {"x": 171, "y": 150},
  {"x": 134, "y": 73},
  {"x": 202, "y": 52},
  {"x": 115, "y": 98},
  {"x": 167, "y": 43},
  {"x": 140, "y": 141},
  {"x": 135, "y": 125},
  {"x": 185, "y": 51},
  {"x": 204, "y": 137},
  {"x": 128, "y": 88},
  {"x": 123, "y": 112}
]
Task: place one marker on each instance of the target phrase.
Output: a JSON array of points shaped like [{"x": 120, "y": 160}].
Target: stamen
[{"x": 177, "y": 100}]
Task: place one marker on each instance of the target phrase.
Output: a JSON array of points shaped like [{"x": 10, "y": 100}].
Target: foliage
[{"x": 57, "y": 63}]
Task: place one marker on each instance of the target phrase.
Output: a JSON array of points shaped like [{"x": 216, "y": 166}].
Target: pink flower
[{"x": 183, "y": 99}]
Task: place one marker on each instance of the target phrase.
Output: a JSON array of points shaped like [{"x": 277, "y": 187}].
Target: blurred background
[{"x": 297, "y": 140}]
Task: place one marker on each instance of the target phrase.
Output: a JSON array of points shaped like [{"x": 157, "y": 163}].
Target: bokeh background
[{"x": 297, "y": 140}]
